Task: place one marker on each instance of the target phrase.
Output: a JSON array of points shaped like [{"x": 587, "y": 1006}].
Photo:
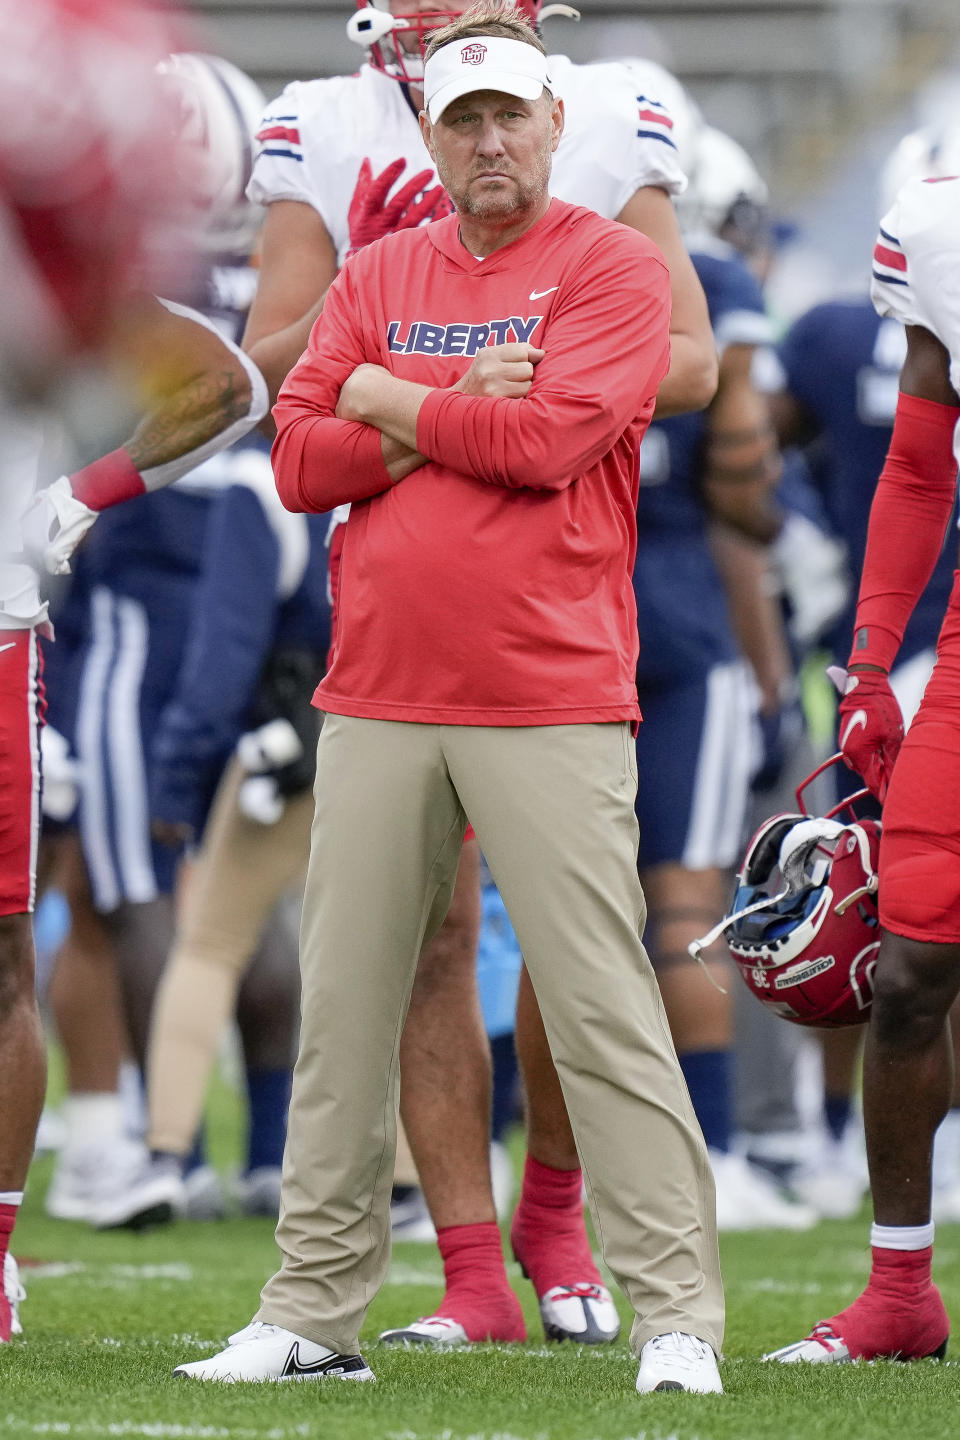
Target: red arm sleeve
[
  {"x": 607, "y": 350},
  {"x": 909, "y": 516},
  {"x": 320, "y": 462}
]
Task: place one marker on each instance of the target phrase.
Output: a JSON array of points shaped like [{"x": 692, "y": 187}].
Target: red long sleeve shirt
[{"x": 492, "y": 586}]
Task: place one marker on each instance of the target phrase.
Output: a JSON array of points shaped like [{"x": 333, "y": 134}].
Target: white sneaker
[
  {"x": 258, "y": 1191},
  {"x": 749, "y": 1199},
  {"x": 265, "y": 1352},
  {"x": 678, "y": 1362},
  {"x": 13, "y": 1291},
  {"x": 153, "y": 1195},
  {"x": 84, "y": 1179}
]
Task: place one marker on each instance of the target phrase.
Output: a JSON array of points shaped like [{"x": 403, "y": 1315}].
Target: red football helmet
[
  {"x": 88, "y": 177},
  {"x": 377, "y": 28},
  {"x": 803, "y": 926}
]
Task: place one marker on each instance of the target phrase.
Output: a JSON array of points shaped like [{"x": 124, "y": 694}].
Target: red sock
[
  {"x": 549, "y": 1234},
  {"x": 900, "y": 1313},
  {"x": 8, "y": 1218},
  {"x": 478, "y": 1294}
]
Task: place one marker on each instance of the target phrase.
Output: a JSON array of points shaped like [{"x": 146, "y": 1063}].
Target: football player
[
  {"x": 908, "y": 1060},
  {"x": 134, "y": 597},
  {"x": 840, "y": 363},
  {"x": 694, "y": 753},
  {"x": 81, "y": 197}
]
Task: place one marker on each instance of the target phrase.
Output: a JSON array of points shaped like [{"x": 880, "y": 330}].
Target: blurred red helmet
[
  {"x": 86, "y": 171},
  {"x": 803, "y": 927}
]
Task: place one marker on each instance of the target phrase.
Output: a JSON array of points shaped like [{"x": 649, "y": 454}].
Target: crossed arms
[{"x": 348, "y": 430}]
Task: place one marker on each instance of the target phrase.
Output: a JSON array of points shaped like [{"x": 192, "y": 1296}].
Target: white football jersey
[
  {"x": 21, "y": 439},
  {"x": 315, "y": 136},
  {"x": 916, "y": 265}
]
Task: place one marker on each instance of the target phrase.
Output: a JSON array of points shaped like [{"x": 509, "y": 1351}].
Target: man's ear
[
  {"x": 426, "y": 130},
  {"x": 559, "y": 116}
]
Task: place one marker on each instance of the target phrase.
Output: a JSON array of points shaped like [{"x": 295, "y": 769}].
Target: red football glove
[
  {"x": 372, "y": 215},
  {"x": 870, "y": 726}
]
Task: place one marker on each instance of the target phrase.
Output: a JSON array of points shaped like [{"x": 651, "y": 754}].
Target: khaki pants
[
  {"x": 241, "y": 873},
  {"x": 553, "y": 810}
]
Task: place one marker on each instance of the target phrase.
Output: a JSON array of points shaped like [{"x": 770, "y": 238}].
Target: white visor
[{"x": 494, "y": 63}]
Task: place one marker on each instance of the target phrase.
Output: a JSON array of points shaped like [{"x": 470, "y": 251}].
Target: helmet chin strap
[
  {"x": 696, "y": 947},
  {"x": 872, "y": 880}
]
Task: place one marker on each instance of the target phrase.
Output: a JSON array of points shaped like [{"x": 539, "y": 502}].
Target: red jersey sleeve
[
  {"x": 909, "y": 517},
  {"x": 607, "y": 350},
  {"x": 320, "y": 462}
]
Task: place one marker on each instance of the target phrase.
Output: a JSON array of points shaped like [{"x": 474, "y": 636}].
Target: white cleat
[
  {"x": 678, "y": 1361},
  {"x": 436, "y": 1331},
  {"x": 85, "y": 1179},
  {"x": 748, "y": 1199},
  {"x": 823, "y": 1346},
  {"x": 583, "y": 1313},
  {"x": 14, "y": 1292},
  {"x": 261, "y": 1352},
  {"x": 154, "y": 1195}
]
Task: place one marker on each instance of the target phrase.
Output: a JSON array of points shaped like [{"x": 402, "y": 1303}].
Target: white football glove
[
  {"x": 811, "y": 567},
  {"x": 61, "y": 775},
  {"x": 53, "y": 525}
]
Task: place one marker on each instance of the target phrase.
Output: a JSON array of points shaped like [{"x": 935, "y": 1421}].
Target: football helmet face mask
[
  {"x": 803, "y": 927},
  {"x": 396, "y": 43}
]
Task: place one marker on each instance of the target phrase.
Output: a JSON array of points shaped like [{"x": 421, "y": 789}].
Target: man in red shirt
[{"x": 479, "y": 388}]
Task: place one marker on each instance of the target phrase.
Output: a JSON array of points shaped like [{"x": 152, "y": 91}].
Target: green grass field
[{"x": 108, "y": 1316}]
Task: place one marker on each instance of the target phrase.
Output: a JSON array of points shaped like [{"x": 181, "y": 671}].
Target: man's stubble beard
[{"x": 525, "y": 196}]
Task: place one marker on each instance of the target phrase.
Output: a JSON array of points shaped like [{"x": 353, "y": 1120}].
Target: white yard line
[
  {"x": 158, "y": 1429},
  {"x": 401, "y": 1274},
  {"x": 110, "y": 1276},
  {"x": 162, "y": 1430}
]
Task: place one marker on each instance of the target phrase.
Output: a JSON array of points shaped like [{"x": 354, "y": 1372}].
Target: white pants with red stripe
[{"x": 22, "y": 704}]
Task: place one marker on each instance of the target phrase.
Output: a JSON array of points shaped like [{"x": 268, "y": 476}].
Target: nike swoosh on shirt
[
  {"x": 11, "y": 646},
  {"x": 858, "y": 718},
  {"x": 538, "y": 294}
]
